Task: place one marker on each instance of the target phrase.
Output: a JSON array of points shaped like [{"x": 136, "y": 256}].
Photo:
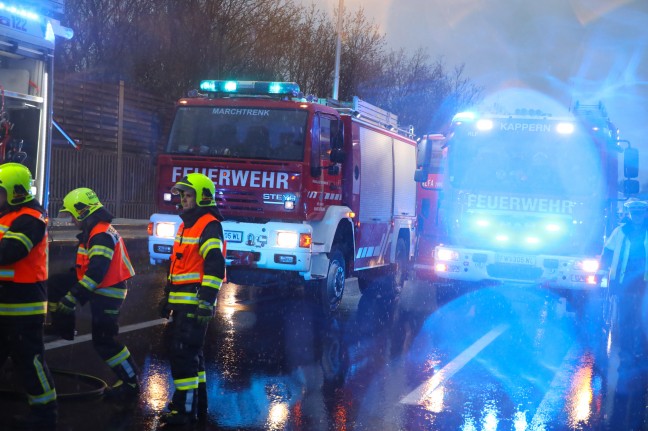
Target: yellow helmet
[
  {"x": 81, "y": 203},
  {"x": 16, "y": 180},
  {"x": 201, "y": 185}
]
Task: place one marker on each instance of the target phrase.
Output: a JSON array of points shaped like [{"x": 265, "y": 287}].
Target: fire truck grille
[
  {"x": 514, "y": 272},
  {"x": 238, "y": 201}
]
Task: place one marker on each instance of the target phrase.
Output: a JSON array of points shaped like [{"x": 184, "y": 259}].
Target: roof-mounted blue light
[{"x": 250, "y": 87}]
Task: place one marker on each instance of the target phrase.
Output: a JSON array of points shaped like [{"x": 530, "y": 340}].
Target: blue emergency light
[
  {"x": 19, "y": 11},
  {"x": 250, "y": 87}
]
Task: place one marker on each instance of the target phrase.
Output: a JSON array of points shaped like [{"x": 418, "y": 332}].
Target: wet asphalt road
[{"x": 501, "y": 358}]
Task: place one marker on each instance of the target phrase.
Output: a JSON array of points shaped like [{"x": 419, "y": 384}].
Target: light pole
[{"x": 338, "y": 49}]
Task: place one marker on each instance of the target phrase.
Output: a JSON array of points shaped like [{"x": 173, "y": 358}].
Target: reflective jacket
[
  {"x": 32, "y": 268},
  {"x": 616, "y": 253},
  {"x": 22, "y": 283},
  {"x": 120, "y": 268},
  {"x": 189, "y": 283}
]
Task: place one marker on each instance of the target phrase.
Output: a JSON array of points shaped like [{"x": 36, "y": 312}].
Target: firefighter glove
[
  {"x": 204, "y": 312},
  {"x": 164, "y": 308},
  {"x": 67, "y": 304}
]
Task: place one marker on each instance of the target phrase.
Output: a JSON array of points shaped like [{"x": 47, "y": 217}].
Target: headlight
[
  {"x": 165, "y": 229},
  {"x": 445, "y": 254},
  {"x": 287, "y": 239},
  {"x": 588, "y": 265}
]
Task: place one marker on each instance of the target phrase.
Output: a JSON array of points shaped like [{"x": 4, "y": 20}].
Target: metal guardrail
[{"x": 60, "y": 230}]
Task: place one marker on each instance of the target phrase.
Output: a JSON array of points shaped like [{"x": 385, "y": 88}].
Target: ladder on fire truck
[{"x": 364, "y": 110}]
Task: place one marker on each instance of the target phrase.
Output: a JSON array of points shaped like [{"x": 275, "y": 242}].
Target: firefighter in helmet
[
  {"x": 195, "y": 276},
  {"x": 23, "y": 293},
  {"x": 625, "y": 255},
  {"x": 103, "y": 269}
]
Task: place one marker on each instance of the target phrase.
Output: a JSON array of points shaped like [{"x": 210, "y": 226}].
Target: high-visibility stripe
[
  {"x": 49, "y": 393},
  {"x": 101, "y": 250},
  {"x": 190, "y": 277},
  {"x": 23, "y": 309},
  {"x": 210, "y": 244},
  {"x": 118, "y": 358},
  {"x": 112, "y": 292},
  {"x": 183, "y": 298},
  {"x": 186, "y": 384},
  {"x": 88, "y": 283},
  {"x": 7, "y": 274},
  {"x": 212, "y": 281},
  {"x": 20, "y": 237}
]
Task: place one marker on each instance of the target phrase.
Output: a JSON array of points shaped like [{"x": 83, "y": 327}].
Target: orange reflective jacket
[
  {"x": 120, "y": 268},
  {"x": 32, "y": 268}
]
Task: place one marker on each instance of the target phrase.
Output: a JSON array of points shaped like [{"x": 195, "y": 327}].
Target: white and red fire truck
[
  {"x": 526, "y": 197},
  {"x": 313, "y": 191},
  {"x": 27, "y": 34}
]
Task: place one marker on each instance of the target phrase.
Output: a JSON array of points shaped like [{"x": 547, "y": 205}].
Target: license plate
[
  {"x": 517, "y": 259},
  {"x": 233, "y": 236}
]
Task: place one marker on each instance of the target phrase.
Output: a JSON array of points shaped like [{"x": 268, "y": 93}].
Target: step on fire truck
[
  {"x": 526, "y": 197},
  {"x": 27, "y": 35},
  {"x": 312, "y": 191}
]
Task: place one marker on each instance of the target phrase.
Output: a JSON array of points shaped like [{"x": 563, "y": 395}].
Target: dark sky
[{"x": 567, "y": 50}]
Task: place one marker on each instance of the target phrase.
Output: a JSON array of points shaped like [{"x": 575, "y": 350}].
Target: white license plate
[
  {"x": 233, "y": 236},
  {"x": 518, "y": 259}
]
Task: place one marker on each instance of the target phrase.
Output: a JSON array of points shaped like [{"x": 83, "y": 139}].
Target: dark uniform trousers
[
  {"x": 105, "y": 328},
  {"x": 22, "y": 340},
  {"x": 187, "y": 362}
]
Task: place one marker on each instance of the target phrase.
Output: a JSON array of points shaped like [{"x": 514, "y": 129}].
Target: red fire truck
[
  {"x": 312, "y": 190},
  {"x": 526, "y": 197},
  {"x": 27, "y": 35}
]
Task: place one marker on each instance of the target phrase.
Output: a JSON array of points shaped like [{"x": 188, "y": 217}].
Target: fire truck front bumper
[
  {"x": 552, "y": 271},
  {"x": 272, "y": 246}
]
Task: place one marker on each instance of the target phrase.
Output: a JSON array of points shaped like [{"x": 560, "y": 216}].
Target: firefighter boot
[
  {"x": 42, "y": 417},
  {"x": 127, "y": 387},
  {"x": 182, "y": 409},
  {"x": 202, "y": 401}
]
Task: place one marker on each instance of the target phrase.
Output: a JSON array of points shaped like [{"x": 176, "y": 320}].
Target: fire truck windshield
[
  {"x": 239, "y": 132},
  {"x": 526, "y": 163}
]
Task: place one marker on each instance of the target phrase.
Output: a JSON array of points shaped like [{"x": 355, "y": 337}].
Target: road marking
[
  {"x": 557, "y": 392},
  {"x": 87, "y": 337},
  {"x": 439, "y": 378}
]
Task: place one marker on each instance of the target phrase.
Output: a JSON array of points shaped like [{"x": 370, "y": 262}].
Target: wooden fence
[{"x": 119, "y": 130}]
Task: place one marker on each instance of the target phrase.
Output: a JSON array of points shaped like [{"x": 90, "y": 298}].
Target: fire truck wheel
[
  {"x": 332, "y": 287},
  {"x": 401, "y": 267}
]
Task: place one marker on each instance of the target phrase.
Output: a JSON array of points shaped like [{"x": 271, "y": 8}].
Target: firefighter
[
  {"x": 103, "y": 269},
  {"x": 23, "y": 295},
  {"x": 196, "y": 273},
  {"x": 625, "y": 254}
]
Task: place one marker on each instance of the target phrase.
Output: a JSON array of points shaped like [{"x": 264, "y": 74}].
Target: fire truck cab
[
  {"x": 527, "y": 197},
  {"x": 27, "y": 34},
  {"x": 312, "y": 190}
]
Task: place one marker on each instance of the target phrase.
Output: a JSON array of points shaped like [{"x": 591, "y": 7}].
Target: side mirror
[
  {"x": 630, "y": 187},
  {"x": 337, "y": 155},
  {"x": 631, "y": 163},
  {"x": 423, "y": 154}
]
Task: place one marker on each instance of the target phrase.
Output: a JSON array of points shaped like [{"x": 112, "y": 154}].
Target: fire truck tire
[
  {"x": 401, "y": 267},
  {"x": 330, "y": 289}
]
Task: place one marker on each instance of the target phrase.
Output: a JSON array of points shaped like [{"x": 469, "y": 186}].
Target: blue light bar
[{"x": 250, "y": 87}]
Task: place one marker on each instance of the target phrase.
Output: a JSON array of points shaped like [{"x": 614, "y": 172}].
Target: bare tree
[{"x": 168, "y": 46}]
